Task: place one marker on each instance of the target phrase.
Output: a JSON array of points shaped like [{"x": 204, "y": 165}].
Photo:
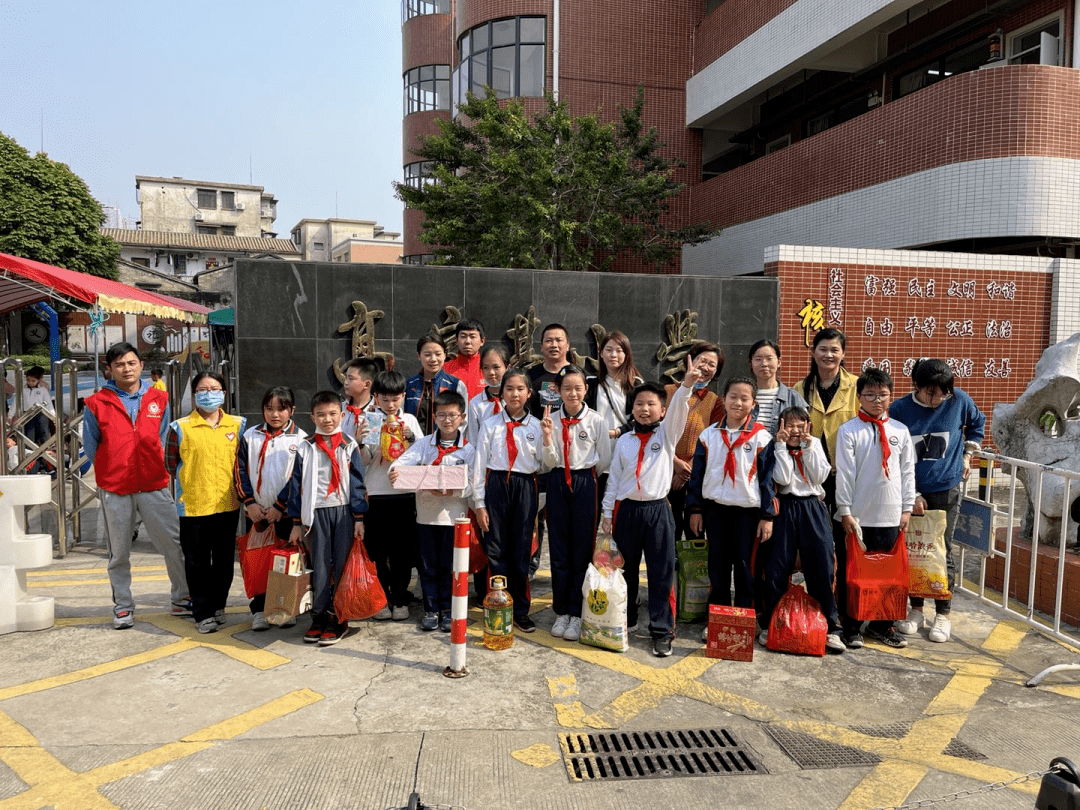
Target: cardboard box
[
  {"x": 287, "y": 561},
  {"x": 446, "y": 477},
  {"x": 731, "y": 633},
  {"x": 287, "y": 596}
]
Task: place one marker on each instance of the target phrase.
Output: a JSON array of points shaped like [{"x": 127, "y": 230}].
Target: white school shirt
[
  {"x": 589, "y": 444},
  {"x": 658, "y": 464},
  {"x": 480, "y": 408},
  {"x": 862, "y": 490},
  {"x": 348, "y": 420},
  {"x": 491, "y": 453},
  {"x": 37, "y": 396},
  {"x": 744, "y": 490},
  {"x": 315, "y": 486},
  {"x": 277, "y": 463},
  {"x": 432, "y": 509},
  {"x": 789, "y": 481},
  {"x": 376, "y": 467}
]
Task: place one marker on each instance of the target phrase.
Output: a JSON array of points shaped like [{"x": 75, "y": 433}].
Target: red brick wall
[
  {"x": 962, "y": 322},
  {"x": 729, "y": 24},
  {"x": 1046, "y": 570},
  {"x": 428, "y": 40},
  {"x": 1000, "y": 112}
]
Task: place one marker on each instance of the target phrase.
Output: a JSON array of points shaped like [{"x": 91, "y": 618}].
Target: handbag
[
  {"x": 877, "y": 582},
  {"x": 255, "y": 550},
  {"x": 797, "y": 624},
  {"x": 358, "y": 595}
]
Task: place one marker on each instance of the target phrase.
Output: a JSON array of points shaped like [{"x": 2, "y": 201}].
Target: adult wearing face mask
[
  {"x": 124, "y": 427},
  {"x": 946, "y": 428},
  {"x": 201, "y": 453}
]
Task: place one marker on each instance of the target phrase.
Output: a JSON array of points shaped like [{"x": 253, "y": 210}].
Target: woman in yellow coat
[{"x": 829, "y": 389}]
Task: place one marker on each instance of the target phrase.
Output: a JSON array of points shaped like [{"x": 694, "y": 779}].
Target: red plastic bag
[
  {"x": 798, "y": 625},
  {"x": 255, "y": 550},
  {"x": 877, "y": 582},
  {"x": 478, "y": 558},
  {"x": 359, "y": 594}
]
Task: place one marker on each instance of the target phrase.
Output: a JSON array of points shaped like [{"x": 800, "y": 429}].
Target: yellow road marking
[
  {"x": 52, "y": 784},
  {"x": 95, "y": 570},
  {"x": 568, "y": 715},
  {"x": 99, "y": 580},
  {"x": 538, "y": 756}
]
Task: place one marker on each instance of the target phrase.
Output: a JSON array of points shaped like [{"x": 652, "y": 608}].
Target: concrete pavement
[{"x": 161, "y": 717}]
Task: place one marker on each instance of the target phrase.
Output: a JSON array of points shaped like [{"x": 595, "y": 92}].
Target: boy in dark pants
[
  {"x": 875, "y": 481},
  {"x": 636, "y": 511},
  {"x": 802, "y": 525},
  {"x": 327, "y": 502}
]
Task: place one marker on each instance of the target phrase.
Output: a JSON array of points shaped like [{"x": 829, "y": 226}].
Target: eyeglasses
[
  {"x": 447, "y": 417},
  {"x": 208, "y": 390},
  {"x": 876, "y": 397}
]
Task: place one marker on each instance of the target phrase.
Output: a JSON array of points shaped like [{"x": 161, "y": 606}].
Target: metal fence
[{"x": 1007, "y": 483}]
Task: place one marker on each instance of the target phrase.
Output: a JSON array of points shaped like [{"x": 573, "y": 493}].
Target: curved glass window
[
  {"x": 506, "y": 55},
  {"x": 418, "y": 173},
  {"x": 418, "y": 258},
  {"x": 427, "y": 88},
  {"x": 417, "y": 8}
]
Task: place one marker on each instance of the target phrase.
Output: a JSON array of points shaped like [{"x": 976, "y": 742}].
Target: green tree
[
  {"x": 48, "y": 214},
  {"x": 556, "y": 191}
]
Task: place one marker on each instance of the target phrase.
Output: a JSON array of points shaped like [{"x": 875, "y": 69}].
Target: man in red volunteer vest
[{"x": 124, "y": 427}]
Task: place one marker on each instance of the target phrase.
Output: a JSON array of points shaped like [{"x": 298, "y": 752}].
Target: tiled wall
[
  {"x": 729, "y": 24},
  {"x": 988, "y": 316},
  {"x": 1007, "y": 197}
]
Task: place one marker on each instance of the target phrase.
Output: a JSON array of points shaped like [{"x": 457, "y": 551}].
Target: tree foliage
[
  {"x": 556, "y": 191},
  {"x": 48, "y": 214}
]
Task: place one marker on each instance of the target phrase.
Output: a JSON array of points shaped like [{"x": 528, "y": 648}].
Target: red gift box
[{"x": 731, "y": 633}]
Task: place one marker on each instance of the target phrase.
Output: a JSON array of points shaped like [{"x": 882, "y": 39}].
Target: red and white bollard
[{"x": 459, "y": 602}]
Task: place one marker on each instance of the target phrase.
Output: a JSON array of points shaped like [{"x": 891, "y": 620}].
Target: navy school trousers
[
  {"x": 571, "y": 518},
  {"x": 436, "y": 566},
  {"x": 648, "y": 527},
  {"x": 390, "y": 539},
  {"x": 731, "y": 531},
  {"x": 329, "y": 541},
  {"x": 802, "y": 527},
  {"x": 512, "y": 501}
]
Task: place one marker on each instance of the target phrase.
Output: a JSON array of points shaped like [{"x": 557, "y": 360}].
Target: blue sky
[{"x": 310, "y": 92}]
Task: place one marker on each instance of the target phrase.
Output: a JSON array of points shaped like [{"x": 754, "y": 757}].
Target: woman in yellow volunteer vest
[{"x": 200, "y": 452}]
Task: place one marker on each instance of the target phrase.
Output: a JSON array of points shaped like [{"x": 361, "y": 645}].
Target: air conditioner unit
[
  {"x": 238, "y": 207},
  {"x": 199, "y": 216}
]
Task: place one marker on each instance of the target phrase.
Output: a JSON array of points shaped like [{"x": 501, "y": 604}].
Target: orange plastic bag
[
  {"x": 798, "y": 625},
  {"x": 359, "y": 594},
  {"x": 255, "y": 551},
  {"x": 877, "y": 582}
]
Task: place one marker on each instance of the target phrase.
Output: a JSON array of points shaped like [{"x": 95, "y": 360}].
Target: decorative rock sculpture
[{"x": 1043, "y": 426}]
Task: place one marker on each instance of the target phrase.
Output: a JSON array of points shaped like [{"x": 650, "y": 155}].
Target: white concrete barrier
[{"x": 20, "y": 552}]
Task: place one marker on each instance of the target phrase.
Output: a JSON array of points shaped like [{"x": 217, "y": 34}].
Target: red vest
[{"x": 129, "y": 458}]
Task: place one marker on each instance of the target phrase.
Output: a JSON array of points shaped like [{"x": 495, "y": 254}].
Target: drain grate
[
  {"x": 810, "y": 752},
  {"x": 959, "y": 748},
  {"x": 606, "y": 756},
  {"x": 955, "y": 748}
]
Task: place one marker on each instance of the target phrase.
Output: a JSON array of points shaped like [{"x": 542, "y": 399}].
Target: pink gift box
[{"x": 443, "y": 477}]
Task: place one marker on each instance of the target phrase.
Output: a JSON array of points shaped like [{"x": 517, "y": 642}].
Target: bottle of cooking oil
[{"x": 498, "y": 616}]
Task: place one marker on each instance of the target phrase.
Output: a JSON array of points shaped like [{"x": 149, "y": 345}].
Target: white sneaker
[
  {"x": 705, "y": 634},
  {"x": 763, "y": 638},
  {"x": 942, "y": 629},
  {"x": 123, "y": 619},
  {"x": 573, "y": 629},
  {"x": 259, "y": 622},
  {"x": 209, "y": 625},
  {"x": 910, "y": 626},
  {"x": 559, "y": 627},
  {"x": 384, "y": 614},
  {"x": 219, "y": 616},
  {"x": 834, "y": 643},
  {"x": 400, "y": 613}
]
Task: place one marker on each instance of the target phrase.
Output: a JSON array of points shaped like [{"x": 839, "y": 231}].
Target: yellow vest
[{"x": 204, "y": 475}]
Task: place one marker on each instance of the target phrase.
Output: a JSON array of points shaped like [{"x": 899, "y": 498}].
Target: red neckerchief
[
  {"x": 566, "y": 439},
  {"x": 355, "y": 410},
  {"x": 882, "y": 439},
  {"x": 746, "y": 435},
  {"x": 642, "y": 437},
  {"x": 796, "y": 453},
  {"x": 701, "y": 393},
  {"x": 445, "y": 451},
  {"x": 330, "y": 448},
  {"x": 511, "y": 443},
  {"x": 498, "y": 402},
  {"x": 262, "y": 453}
]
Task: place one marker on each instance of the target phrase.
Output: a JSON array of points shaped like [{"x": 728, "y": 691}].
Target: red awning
[{"x": 24, "y": 282}]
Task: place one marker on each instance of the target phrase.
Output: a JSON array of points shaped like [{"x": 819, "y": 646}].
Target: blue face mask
[
  {"x": 209, "y": 400},
  {"x": 699, "y": 385}
]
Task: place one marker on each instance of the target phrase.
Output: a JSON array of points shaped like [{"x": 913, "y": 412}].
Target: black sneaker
[
  {"x": 430, "y": 621},
  {"x": 853, "y": 640},
  {"x": 661, "y": 647},
  {"x": 314, "y": 633},
  {"x": 445, "y": 621},
  {"x": 890, "y": 637},
  {"x": 525, "y": 624},
  {"x": 333, "y": 634}
]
